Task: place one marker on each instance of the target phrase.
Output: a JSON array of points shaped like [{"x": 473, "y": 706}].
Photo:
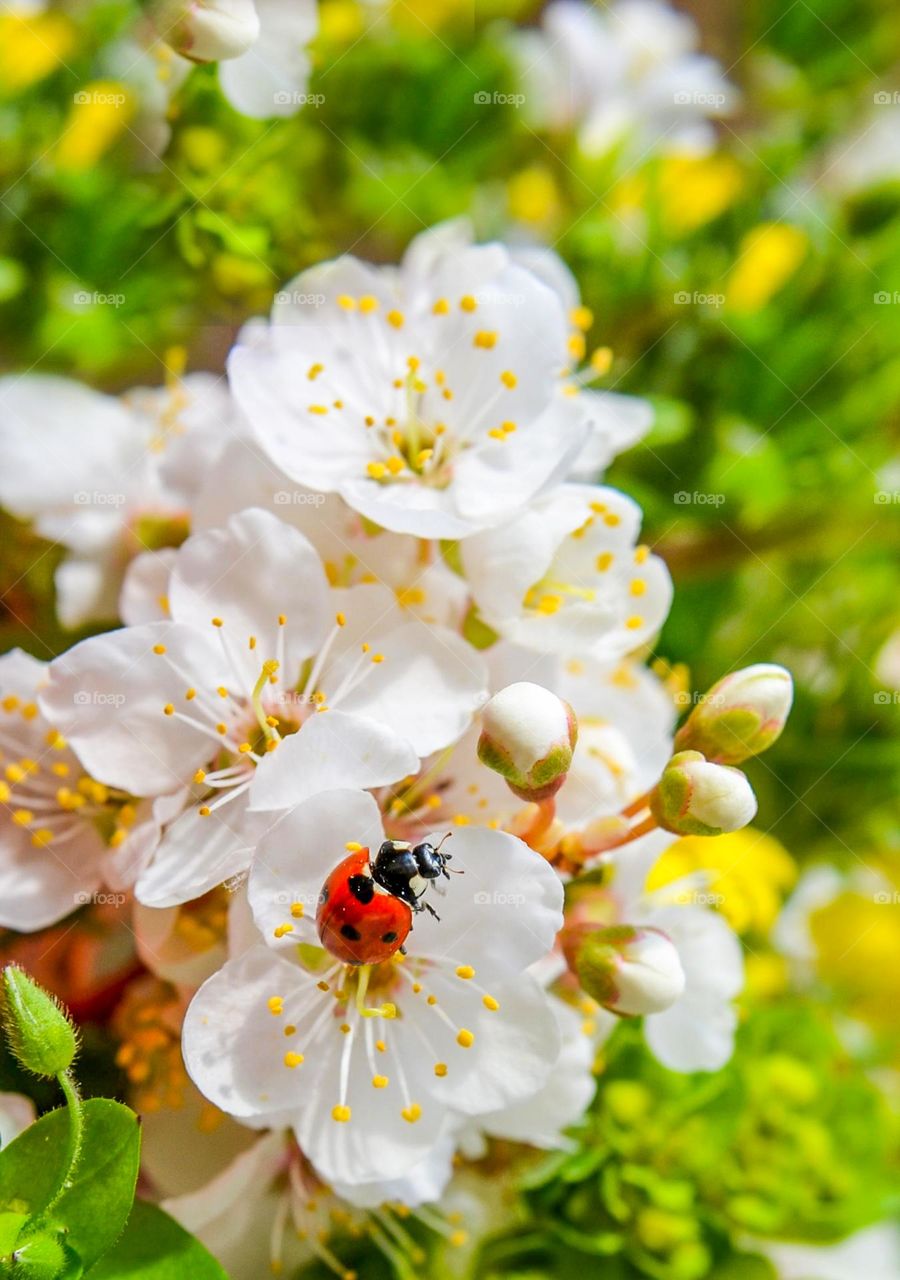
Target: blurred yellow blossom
[
  {"x": 31, "y": 47},
  {"x": 857, "y": 940},
  {"x": 101, "y": 111},
  {"x": 748, "y": 873},
  {"x": 533, "y": 196},
  {"x": 691, "y": 190},
  {"x": 767, "y": 258}
]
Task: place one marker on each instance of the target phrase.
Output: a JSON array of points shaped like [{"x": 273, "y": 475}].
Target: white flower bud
[
  {"x": 630, "y": 969},
  {"x": 206, "y": 30},
  {"x": 697, "y": 798},
  {"x": 528, "y": 735},
  {"x": 742, "y": 715}
]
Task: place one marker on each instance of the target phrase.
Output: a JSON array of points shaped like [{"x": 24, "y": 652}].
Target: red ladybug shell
[{"x": 357, "y": 921}]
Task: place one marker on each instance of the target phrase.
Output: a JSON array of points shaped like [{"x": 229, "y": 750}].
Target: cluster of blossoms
[{"x": 375, "y": 758}]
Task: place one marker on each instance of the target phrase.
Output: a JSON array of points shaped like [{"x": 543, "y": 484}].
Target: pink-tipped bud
[
  {"x": 697, "y": 798},
  {"x": 742, "y": 715},
  {"x": 631, "y": 970},
  {"x": 206, "y": 30},
  {"x": 528, "y": 735}
]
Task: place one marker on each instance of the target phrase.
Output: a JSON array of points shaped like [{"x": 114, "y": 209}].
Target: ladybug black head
[{"x": 397, "y": 865}]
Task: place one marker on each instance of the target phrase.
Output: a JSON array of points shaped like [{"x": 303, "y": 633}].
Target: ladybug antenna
[{"x": 447, "y": 856}]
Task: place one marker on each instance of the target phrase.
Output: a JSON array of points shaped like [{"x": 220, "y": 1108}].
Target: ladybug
[{"x": 366, "y": 905}]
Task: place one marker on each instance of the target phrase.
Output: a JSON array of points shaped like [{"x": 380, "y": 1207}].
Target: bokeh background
[{"x": 753, "y": 295}]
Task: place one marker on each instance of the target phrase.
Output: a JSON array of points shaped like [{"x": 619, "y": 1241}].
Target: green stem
[{"x": 76, "y": 1131}]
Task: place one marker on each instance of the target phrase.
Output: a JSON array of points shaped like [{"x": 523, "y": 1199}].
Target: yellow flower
[
  {"x": 340, "y": 21},
  {"x": 691, "y": 190},
  {"x": 748, "y": 874},
  {"x": 857, "y": 939},
  {"x": 532, "y": 195},
  {"x": 101, "y": 112},
  {"x": 696, "y": 189},
  {"x": 768, "y": 257},
  {"x": 31, "y": 48}
]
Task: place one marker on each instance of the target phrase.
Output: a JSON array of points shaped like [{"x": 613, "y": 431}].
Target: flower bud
[
  {"x": 630, "y": 969},
  {"x": 206, "y": 30},
  {"x": 742, "y": 715},
  {"x": 527, "y": 736},
  {"x": 39, "y": 1033},
  {"x": 43, "y": 1257},
  {"x": 697, "y": 798}
]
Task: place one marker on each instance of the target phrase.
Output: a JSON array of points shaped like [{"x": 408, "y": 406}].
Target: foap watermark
[
  {"x": 97, "y": 698},
  {"x": 697, "y": 498},
  {"x": 297, "y": 498},
  {"x": 99, "y": 899},
  {"x": 98, "y": 498},
  {"x": 286, "y": 98},
  {"x": 886, "y": 898},
  {"x": 100, "y": 98},
  {"x": 685, "y": 698},
  {"x": 886, "y": 98},
  {"x": 85, "y": 298},
  {"x": 297, "y": 298},
  {"x": 887, "y": 497},
  {"x": 698, "y": 898},
  {"x": 496, "y": 99},
  {"x": 698, "y": 98},
  {"x": 697, "y": 299},
  {"x": 886, "y": 298},
  {"x": 287, "y": 899},
  {"x": 498, "y": 899},
  {"x": 886, "y": 697}
]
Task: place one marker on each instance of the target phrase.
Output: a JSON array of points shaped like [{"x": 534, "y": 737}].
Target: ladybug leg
[{"x": 426, "y": 906}]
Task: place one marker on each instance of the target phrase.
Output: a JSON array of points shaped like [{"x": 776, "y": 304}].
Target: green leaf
[
  {"x": 155, "y": 1247},
  {"x": 94, "y": 1206}
]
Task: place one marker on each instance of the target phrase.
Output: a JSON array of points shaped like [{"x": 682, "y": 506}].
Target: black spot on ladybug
[
  {"x": 390, "y": 936},
  {"x": 362, "y": 888},
  {"x": 350, "y": 933}
]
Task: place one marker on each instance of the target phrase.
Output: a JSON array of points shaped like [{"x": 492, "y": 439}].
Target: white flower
[
  {"x": 625, "y": 75},
  {"x": 62, "y": 833},
  {"x": 696, "y": 1033},
  {"x": 427, "y": 396},
  {"x": 264, "y": 687},
  {"x": 353, "y": 551},
  {"x": 270, "y": 79},
  {"x": 206, "y": 30},
  {"x": 616, "y": 421},
  {"x": 567, "y": 576},
  {"x": 370, "y": 1097},
  {"x": 624, "y": 740},
  {"x": 873, "y": 1253},
  {"x": 105, "y": 476}
]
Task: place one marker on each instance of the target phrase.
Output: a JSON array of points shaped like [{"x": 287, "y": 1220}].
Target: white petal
[
  {"x": 195, "y": 854},
  {"x": 107, "y": 694},
  {"x": 270, "y": 79},
  {"x": 40, "y": 886},
  {"x": 145, "y": 590},
  {"x": 233, "y": 1047},
  {"x": 501, "y": 914},
  {"x": 333, "y": 749},
  {"x": 248, "y": 574},
  {"x": 541, "y": 1118}
]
